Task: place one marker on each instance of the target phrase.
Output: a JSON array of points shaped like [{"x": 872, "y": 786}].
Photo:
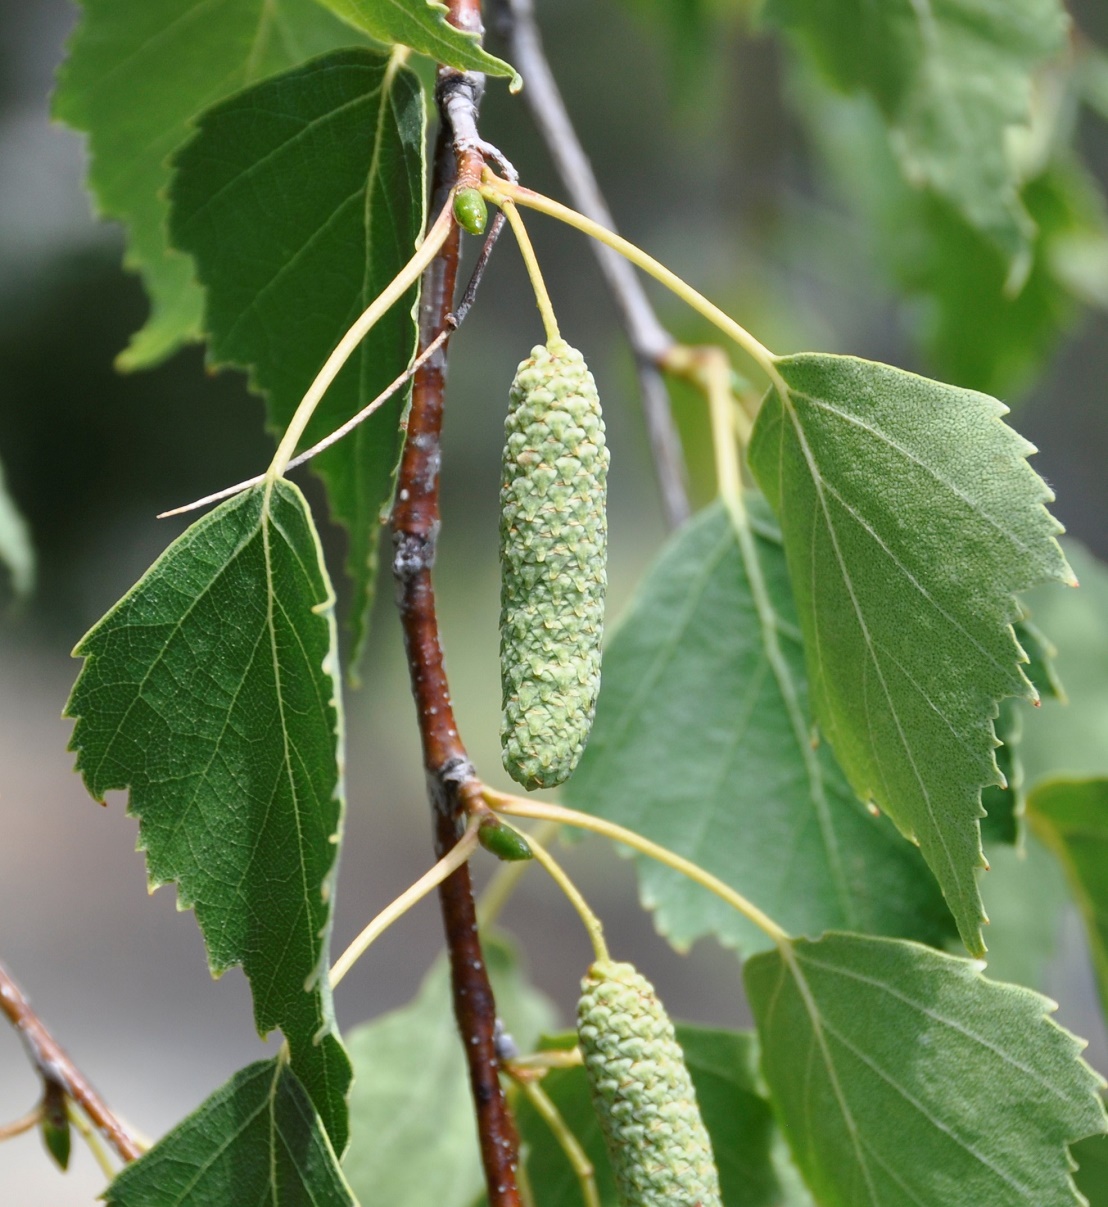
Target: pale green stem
[
  {"x": 450, "y": 862},
  {"x": 392, "y": 293},
  {"x": 333, "y": 438},
  {"x": 590, "y": 920},
  {"x": 570, "y": 1145},
  {"x": 728, "y": 474},
  {"x": 498, "y": 191},
  {"x": 549, "y": 1058},
  {"x": 506, "y": 878},
  {"x": 542, "y": 298},
  {"x": 526, "y": 1190},
  {"x": 516, "y": 806},
  {"x": 92, "y": 1139}
]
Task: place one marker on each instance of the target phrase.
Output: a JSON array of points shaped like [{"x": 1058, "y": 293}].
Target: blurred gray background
[{"x": 91, "y": 457}]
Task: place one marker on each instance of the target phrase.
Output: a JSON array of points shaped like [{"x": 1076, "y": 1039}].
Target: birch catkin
[
  {"x": 642, "y": 1093},
  {"x": 553, "y": 551}
]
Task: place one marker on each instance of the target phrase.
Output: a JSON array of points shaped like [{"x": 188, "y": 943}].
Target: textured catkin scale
[
  {"x": 553, "y": 551},
  {"x": 642, "y": 1093}
]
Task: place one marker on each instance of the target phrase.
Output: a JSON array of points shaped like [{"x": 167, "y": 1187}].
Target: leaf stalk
[
  {"x": 517, "y": 806},
  {"x": 498, "y": 191}
]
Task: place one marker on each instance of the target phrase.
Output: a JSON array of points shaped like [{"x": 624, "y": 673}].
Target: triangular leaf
[
  {"x": 901, "y": 1075},
  {"x": 300, "y": 200},
  {"x": 257, "y": 1139},
  {"x": 733, "y": 1105},
  {"x": 209, "y": 692},
  {"x": 703, "y": 742},
  {"x": 1071, "y": 818},
  {"x": 910, "y": 517},
  {"x": 413, "y": 1138},
  {"x": 137, "y": 71},
  {"x": 17, "y": 552},
  {"x": 951, "y": 78},
  {"x": 422, "y": 25}
]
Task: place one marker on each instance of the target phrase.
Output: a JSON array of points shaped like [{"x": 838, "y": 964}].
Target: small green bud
[
  {"x": 553, "y": 558},
  {"x": 502, "y": 841},
  {"x": 470, "y": 211},
  {"x": 642, "y": 1093},
  {"x": 55, "y": 1124}
]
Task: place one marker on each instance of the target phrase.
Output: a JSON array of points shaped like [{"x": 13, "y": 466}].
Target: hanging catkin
[
  {"x": 642, "y": 1093},
  {"x": 553, "y": 551}
]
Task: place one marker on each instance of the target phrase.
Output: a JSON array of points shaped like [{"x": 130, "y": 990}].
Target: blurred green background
[{"x": 711, "y": 171}]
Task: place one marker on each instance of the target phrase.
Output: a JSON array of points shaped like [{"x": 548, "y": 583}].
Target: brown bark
[
  {"x": 59, "y": 1072},
  {"x": 450, "y": 776}
]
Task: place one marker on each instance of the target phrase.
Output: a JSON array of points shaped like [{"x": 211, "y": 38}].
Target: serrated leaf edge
[
  {"x": 966, "y": 969},
  {"x": 1046, "y": 495}
]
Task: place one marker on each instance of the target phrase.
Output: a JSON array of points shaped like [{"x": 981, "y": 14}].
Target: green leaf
[
  {"x": 16, "y": 550},
  {"x": 1003, "y": 805},
  {"x": 972, "y": 327},
  {"x": 1071, "y": 736},
  {"x": 702, "y": 742},
  {"x": 910, "y": 517},
  {"x": 723, "y": 1066},
  {"x": 413, "y": 1140},
  {"x": 1091, "y": 1177},
  {"x": 901, "y": 1075},
  {"x": 257, "y": 1139},
  {"x": 300, "y": 200},
  {"x": 1041, "y": 653},
  {"x": 1071, "y": 817},
  {"x": 951, "y": 78},
  {"x": 209, "y": 692},
  {"x": 137, "y": 71},
  {"x": 422, "y": 25}
]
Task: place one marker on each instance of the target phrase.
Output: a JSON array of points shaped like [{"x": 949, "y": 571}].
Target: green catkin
[
  {"x": 642, "y": 1093},
  {"x": 553, "y": 551}
]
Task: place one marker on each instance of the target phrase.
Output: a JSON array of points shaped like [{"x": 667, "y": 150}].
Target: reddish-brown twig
[
  {"x": 649, "y": 340},
  {"x": 450, "y": 776},
  {"x": 55, "y": 1068}
]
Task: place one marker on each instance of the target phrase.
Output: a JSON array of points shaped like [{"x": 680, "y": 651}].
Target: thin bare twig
[
  {"x": 24, "y": 1123},
  {"x": 54, "y": 1066},
  {"x": 451, "y": 780},
  {"x": 453, "y": 321},
  {"x": 649, "y": 339}
]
